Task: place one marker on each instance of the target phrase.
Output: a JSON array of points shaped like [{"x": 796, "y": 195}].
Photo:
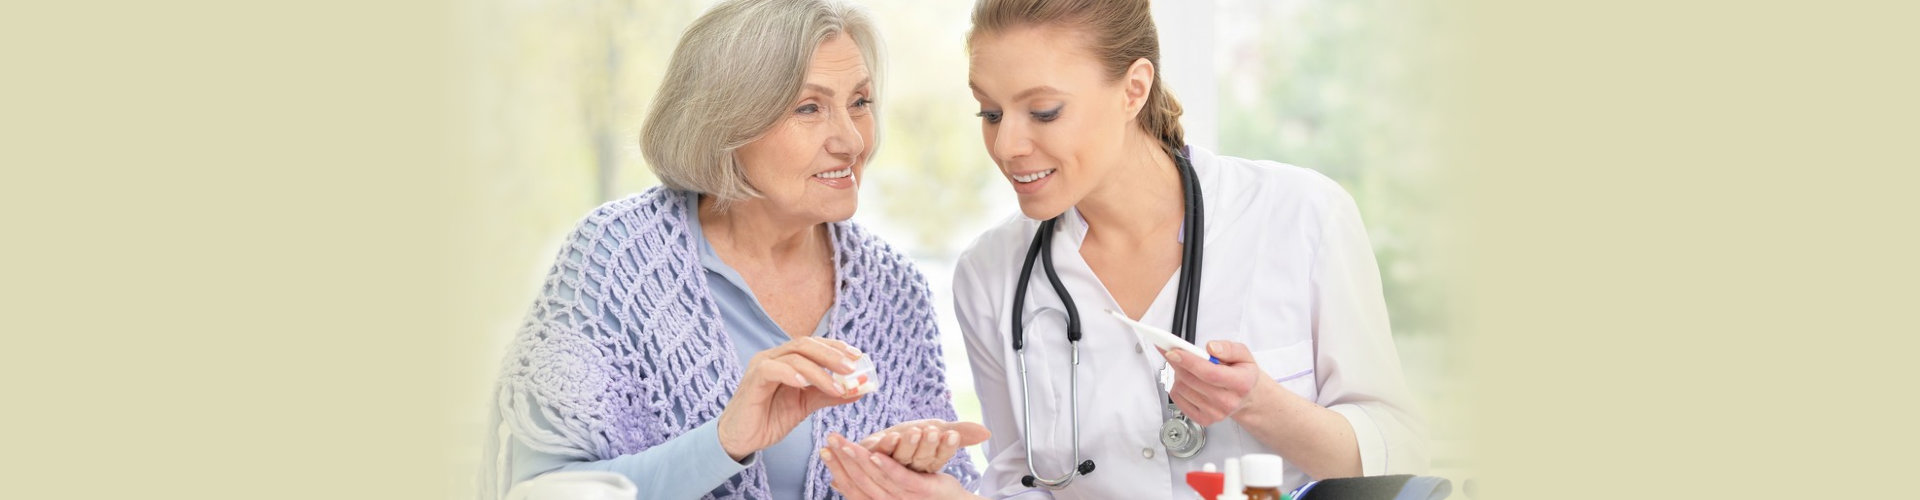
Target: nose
[
  {"x": 846, "y": 140},
  {"x": 1011, "y": 141}
]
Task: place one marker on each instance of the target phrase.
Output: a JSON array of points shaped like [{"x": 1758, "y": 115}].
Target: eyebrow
[
  {"x": 1043, "y": 89},
  {"x": 829, "y": 92}
]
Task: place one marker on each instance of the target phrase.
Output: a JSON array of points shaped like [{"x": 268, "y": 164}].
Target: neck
[
  {"x": 753, "y": 232},
  {"x": 1141, "y": 200}
]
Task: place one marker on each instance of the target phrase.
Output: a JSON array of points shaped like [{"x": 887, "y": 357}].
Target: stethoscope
[{"x": 1179, "y": 434}]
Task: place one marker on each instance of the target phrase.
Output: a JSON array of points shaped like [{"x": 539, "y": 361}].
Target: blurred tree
[
  {"x": 1335, "y": 86},
  {"x": 931, "y": 179},
  {"x": 1318, "y": 83}
]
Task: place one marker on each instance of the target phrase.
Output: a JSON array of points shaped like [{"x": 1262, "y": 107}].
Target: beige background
[
  {"x": 239, "y": 248},
  {"x": 1695, "y": 247}
]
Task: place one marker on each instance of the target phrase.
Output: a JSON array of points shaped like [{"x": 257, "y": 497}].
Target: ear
[{"x": 1138, "y": 84}]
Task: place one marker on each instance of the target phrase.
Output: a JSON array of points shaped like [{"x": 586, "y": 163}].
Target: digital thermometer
[{"x": 1161, "y": 338}]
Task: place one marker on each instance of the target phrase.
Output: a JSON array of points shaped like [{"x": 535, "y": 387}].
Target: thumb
[
  {"x": 816, "y": 400},
  {"x": 1230, "y": 352}
]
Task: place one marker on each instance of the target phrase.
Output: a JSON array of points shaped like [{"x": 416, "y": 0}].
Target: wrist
[
  {"x": 1264, "y": 403},
  {"x": 957, "y": 492},
  {"x": 738, "y": 454},
  {"x": 734, "y": 449},
  {"x": 953, "y": 490}
]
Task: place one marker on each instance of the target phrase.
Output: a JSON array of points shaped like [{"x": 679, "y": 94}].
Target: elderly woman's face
[{"x": 808, "y": 165}]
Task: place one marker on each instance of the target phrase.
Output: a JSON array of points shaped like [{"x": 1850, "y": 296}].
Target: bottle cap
[
  {"x": 1231, "y": 487},
  {"x": 1262, "y": 470},
  {"x": 1206, "y": 483}
]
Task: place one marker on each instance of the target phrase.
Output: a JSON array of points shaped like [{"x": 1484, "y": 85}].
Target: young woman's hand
[
  {"x": 780, "y": 388},
  {"x": 1316, "y": 439},
  {"x": 1209, "y": 393},
  {"x": 860, "y": 474},
  {"x": 925, "y": 445}
]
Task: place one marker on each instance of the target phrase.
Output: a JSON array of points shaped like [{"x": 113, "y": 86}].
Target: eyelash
[
  {"x": 993, "y": 117},
  {"x": 811, "y": 108},
  {"x": 1048, "y": 115}
]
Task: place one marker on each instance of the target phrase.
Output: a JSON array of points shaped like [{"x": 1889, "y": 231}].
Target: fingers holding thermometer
[{"x": 1212, "y": 392}]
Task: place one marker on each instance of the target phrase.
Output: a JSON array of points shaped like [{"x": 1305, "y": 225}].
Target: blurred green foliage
[
  {"x": 1318, "y": 83},
  {"x": 1336, "y": 86}
]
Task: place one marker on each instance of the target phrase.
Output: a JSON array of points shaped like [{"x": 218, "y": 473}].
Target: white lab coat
[{"x": 1287, "y": 271}]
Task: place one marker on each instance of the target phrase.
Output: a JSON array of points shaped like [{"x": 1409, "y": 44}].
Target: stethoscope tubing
[{"x": 1185, "y": 317}]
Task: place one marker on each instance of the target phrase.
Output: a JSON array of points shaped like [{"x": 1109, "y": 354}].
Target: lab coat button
[
  {"x": 1136, "y": 348},
  {"x": 1146, "y": 453}
]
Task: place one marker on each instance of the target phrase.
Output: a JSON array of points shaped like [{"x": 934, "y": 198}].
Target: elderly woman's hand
[
  {"x": 860, "y": 474},
  {"x": 780, "y": 388},
  {"x": 925, "y": 445}
]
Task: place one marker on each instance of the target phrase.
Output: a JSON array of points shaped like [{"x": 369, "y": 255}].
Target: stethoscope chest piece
[{"x": 1182, "y": 437}]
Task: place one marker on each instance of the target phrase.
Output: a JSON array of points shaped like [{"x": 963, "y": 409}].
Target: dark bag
[{"x": 1395, "y": 487}]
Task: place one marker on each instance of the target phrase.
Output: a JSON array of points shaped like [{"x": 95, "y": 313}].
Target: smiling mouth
[
  {"x": 1023, "y": 179},
  {"x": 835, "y": 174}
]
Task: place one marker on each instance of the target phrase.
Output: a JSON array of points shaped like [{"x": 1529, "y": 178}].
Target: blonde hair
[
  {"x": 734, "y": 75},
  {"x": 1119, "y": 32}
]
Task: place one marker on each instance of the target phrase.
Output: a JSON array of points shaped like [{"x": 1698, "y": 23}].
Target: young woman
[{"x": 1266, "y": 266}]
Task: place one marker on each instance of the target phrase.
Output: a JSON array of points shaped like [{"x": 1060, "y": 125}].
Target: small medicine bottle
[
  {"x": 1263, "y": 474},
  {"x": 861, "y": 381}
]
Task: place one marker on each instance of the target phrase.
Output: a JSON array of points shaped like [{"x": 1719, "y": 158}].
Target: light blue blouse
[{"x": 694, "y": 461}]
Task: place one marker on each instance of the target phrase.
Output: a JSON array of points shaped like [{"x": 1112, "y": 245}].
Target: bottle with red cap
[{"x": 1206, "y": 482}]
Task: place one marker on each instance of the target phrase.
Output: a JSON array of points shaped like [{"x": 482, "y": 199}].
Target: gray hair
[{"x": 733, "y": 76}]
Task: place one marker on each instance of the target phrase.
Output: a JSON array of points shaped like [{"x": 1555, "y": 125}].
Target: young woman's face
[
  {"x": 1052, "y": 120},
  {"x": 808, "y": 165}
]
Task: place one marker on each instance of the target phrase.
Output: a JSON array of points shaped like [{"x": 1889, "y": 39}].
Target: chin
[
  {"x": 1041, "y": 209},
  {"x": 839, "y": 210}
]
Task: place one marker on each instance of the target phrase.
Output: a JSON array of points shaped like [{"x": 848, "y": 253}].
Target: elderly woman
[{"x": 686, "y": 335}]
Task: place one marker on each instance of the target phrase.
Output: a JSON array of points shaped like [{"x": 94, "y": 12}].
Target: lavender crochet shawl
[{"x": 625, "y": 349}]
